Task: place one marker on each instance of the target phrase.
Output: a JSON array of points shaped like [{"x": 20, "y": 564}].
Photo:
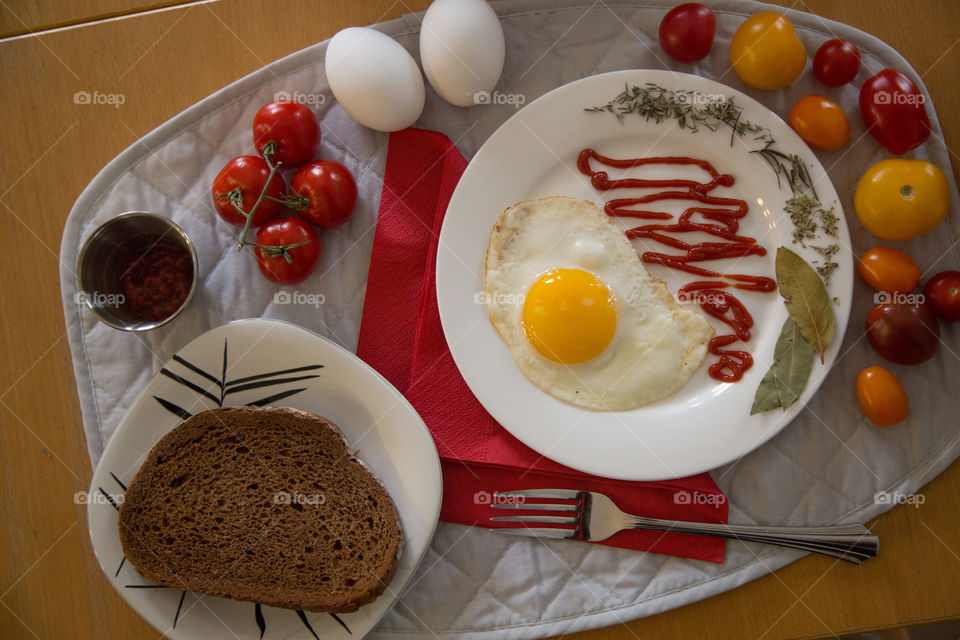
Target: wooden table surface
[{"x": 162, "y": 61}]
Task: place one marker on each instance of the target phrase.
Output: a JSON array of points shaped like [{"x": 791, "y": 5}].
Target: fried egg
[{"x": 581, "y": 316}]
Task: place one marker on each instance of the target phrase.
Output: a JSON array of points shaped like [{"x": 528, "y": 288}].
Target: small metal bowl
[{"x": 106, "y": 251}]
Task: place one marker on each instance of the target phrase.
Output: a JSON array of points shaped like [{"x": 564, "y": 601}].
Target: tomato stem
[
  {"x": 279, "y": 250},
  {"x": 293, "y": 200}
]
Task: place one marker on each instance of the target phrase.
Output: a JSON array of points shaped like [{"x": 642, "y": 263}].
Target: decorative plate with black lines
[{"x": 266, "y": 362}]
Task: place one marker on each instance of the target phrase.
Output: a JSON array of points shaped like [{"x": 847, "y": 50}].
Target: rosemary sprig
[
  {"x": 788, "y": 166},
  {"x": 691, "y": 109}
]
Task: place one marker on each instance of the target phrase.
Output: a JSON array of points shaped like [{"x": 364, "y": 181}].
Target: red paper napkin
[{"x": 401, "y": 337}]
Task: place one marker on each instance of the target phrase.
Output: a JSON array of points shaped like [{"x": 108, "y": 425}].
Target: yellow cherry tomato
[
  {"x": 766, "y": 52},
  {"x": 898, "y": 199},
  {"x": 883, "y": 399},
  {"x": 820, "y": 122}
]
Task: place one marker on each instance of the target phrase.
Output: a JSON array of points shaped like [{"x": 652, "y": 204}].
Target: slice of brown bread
[{"x": 266, "y": 505}]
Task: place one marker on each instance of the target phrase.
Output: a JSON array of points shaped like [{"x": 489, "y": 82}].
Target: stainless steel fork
[{"x": 594, "y": 516}]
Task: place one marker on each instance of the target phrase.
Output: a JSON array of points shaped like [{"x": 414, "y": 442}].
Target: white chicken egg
[
  {"x": 582, "y": 318},
  {"x": 374, "y": 79},
  {"x": 462, "y": 49}
]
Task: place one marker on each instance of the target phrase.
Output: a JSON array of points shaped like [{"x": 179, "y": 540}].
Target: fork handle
[{"x": 853, "y": 543}]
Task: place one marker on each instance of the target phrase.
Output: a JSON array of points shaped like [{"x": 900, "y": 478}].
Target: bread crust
[{"x": 222, "y": 505}]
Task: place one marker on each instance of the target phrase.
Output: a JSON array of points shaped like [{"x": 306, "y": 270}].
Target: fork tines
[{"x": 521, "y": 504}]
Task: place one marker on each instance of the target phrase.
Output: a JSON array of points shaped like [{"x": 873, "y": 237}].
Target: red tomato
[
  {"x": 903, "y": 333},
  {"x": 836, "y": 62},
  {"x": 330, "y": 190},
  {"x": 249, "y": 174},
  {"x": 292, "y": 126},
  {"x": 686, "y": 32},
  {"x": 892, "y": 108},
  {"x": 883, "y": 399},
  {"x": 303, "y": 259},
  {"x": 942, "y": 292},
  {"x": 820, "y": 122},
  {"x": 889, "y": 270}
]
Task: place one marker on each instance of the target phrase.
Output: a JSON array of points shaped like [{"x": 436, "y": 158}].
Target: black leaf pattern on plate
[
  {"x": 342, "y": 623},
  {"x": 258, "y": 616},
  {"x": 176, "y": 617},
  {"x": 303, "y": 618},
  {"x": 226, "y": 387},
  {"x": 109, "y": 498}
]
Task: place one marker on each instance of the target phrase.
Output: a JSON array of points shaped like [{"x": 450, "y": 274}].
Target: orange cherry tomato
[
  {"x": 820, "y": 122},
  {"x": 889, "y": 270},
  {"x": 883, "y": 399}
]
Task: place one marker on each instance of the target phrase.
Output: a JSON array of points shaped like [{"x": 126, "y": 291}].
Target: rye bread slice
[{"x": 265, "y": 505}]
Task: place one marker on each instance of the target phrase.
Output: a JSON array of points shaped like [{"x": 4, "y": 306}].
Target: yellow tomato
[
  {"x": 766, "y": 52},
  {"x": 898, "y": 199},
  {"x": 820, "y": 122}
]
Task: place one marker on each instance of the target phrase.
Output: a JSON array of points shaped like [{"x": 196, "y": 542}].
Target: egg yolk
[{"x": 569, "y": 316}]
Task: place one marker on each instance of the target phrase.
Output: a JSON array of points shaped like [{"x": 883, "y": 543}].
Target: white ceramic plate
[
  {"x": 283, "y": 360},
  {"x": 533, "y": 155}
]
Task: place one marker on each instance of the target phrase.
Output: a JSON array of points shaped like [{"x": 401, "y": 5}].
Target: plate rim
[
  {"x": 435, "y": 468},
  {"x": 845, "y": 287}
]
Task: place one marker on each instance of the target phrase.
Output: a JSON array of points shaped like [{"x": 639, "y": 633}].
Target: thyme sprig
[{"x": 809, "y": 218}]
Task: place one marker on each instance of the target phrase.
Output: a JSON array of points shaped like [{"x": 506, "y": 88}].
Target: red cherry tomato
[
  {"x": 883, "y": 399},
  {"x": 303, "y": 259},
  {"x": 686, "y": 32},
  {"x": 330, "y": 190},
  {"x": 892, "y": 108},
  {"x": 292, "y": 126},
  {"x": 903, "y": 333},
  {"x": 942, "y": 292},
  {"x": 249, "y": 174},
  {"x": 836, "y": 62}
]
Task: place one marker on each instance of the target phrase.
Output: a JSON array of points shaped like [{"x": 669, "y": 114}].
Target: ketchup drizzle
[{"x": 718, "y": 217}]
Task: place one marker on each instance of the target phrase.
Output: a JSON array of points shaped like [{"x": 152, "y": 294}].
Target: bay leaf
[
  {"x": 785, "y": 380},
  {"x": 806, "y": 298}
]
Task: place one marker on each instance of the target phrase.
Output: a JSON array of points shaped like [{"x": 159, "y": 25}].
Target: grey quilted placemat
[{"x": 825, "y": 467}]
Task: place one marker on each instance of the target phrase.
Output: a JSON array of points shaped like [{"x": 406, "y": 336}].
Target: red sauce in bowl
[{"x": 155, "y": 280}]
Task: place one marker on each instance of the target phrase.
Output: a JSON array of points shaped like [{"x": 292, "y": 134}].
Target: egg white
[{"x": 657, "y": 345}]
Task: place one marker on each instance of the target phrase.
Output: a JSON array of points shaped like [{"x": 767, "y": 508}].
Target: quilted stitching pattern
[{"x": 824, "y": 467}]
